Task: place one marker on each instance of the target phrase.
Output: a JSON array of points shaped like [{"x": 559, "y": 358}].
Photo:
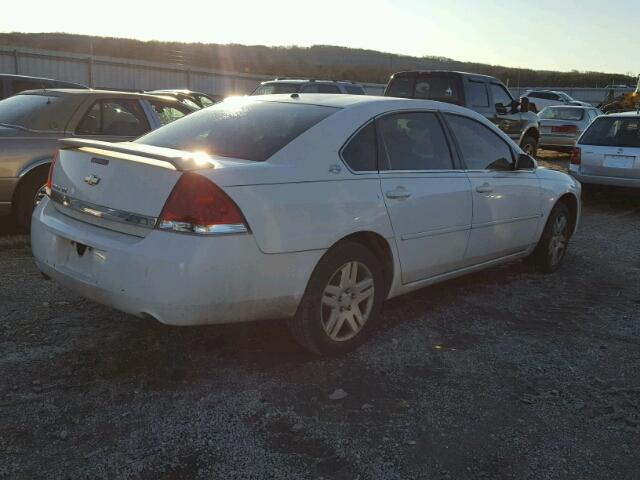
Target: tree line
[{"x": 318, "y": 61}]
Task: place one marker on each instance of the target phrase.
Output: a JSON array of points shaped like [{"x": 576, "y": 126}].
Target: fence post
[
  {"x": 90, "y": 71},
  {"x": 16, "y": 63}
]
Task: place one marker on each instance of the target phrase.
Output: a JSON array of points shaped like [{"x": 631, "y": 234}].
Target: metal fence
[
  {"x": 108, "y": 72},
  {"x": 96, "y": 71}
]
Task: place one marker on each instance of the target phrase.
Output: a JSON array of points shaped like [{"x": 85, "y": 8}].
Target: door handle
[
  {"x": 398, "y": 193},
  {"x": 484, "y": 188}
]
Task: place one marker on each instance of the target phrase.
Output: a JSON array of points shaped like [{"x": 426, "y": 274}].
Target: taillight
[
  {"x": 197, "y": 205},
  {"x": 49, "y": 183},
  {"x": 564, "y": 129},
  {"x": 576, "y": 156}
]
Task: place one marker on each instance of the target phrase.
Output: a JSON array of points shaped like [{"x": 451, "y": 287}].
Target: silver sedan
[{"x": 560, "y": 126}]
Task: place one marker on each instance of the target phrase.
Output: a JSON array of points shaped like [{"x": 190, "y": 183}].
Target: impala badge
[
  {"x": 335, "y": 168},
  {"x": 92, "y": 180}
]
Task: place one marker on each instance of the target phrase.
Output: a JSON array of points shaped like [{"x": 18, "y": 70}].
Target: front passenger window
[{"x": 481, "y": 148}]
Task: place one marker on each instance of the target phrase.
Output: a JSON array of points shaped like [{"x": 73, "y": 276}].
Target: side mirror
[
  {"x": 525, "y": 162},
  {"x": 501, "y": 109}
]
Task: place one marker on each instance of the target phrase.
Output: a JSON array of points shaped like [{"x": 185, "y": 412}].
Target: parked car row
[{"x": 314, "y": 207}]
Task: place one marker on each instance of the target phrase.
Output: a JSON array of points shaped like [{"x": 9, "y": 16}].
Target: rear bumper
[
  {"x": 557, "y": 140},
  {"x": 602, "y": 180},
  {"x": 176, "y": 278}
]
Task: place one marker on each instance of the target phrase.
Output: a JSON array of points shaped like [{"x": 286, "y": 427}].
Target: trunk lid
[
  {"x": 120, "y": 186},
  {"x": 621, "y": 162}
]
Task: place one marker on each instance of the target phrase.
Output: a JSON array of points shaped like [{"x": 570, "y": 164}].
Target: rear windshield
[
  {"x": 613, "y": 132},
  {"x": 273, "y": 88},
  {"x": 36, "y": 112},
  {"x": 554, "y": 113},
  {"x": 443, "y": 88},
  {"x": 238, "y": 128}
]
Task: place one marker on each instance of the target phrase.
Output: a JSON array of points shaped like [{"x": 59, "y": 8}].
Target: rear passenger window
[
  {"x": 481, "y": 148},
  {"x": 413, "y": 141},
  {"x": 478, "y": 94},
  {"x": 119, "y": 118},
  {"x": 361, "y": 152}
]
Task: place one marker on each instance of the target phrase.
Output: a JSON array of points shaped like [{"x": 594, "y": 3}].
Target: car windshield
[
  {"x": 555, "y": 113},
  {"x": 239, "y": 128},
  {"x": 613, "y": 132},
  {"x": 35, "y": 112},
  {"x": 273, "y": 88}
]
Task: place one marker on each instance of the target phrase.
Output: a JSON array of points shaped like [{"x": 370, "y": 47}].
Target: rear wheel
[
  {"x": 529, "y": 145},
  {"x": 342, "y": 301},
  {"x": 30, "y": 192},
  {"x": 552, "y": 247}
]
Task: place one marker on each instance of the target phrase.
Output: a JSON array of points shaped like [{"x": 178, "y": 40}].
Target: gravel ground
[{"x": 502, "y": 374}]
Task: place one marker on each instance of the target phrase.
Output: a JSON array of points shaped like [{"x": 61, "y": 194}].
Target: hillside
[{"x": 318, "y": 61}]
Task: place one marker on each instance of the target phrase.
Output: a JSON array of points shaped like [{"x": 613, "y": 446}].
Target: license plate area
[{"x": 618, "y": 161}]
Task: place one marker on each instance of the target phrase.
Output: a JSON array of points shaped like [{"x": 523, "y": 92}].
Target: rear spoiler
[{"x": 180, "y": 161}]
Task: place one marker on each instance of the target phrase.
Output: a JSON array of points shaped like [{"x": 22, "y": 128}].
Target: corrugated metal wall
[{"x": 122, "y": 73}]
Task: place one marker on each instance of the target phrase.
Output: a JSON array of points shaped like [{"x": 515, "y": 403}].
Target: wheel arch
[
  {"x": 380, "y": 247},
  {"x": 38, "y": 166},
  {"x": 571, "y": 202},
  {"x": 532, "y": 131}
]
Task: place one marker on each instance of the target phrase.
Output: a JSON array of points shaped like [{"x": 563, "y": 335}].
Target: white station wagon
[{"x": 314, "y": 208}]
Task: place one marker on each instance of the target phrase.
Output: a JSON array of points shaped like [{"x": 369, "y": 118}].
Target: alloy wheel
[
  {"x": 347, "y": 301},
  {"x": 558, "y": 241}
]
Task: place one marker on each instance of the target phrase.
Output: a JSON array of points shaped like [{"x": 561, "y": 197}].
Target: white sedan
[{"x": 314, "y": 208}]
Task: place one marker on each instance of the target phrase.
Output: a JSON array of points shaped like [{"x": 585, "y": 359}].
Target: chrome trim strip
[
  {"x": 434, "y": 232},
  {"x": 508, "y": 220},
  {"x": 185, "y": 227},
  {"x": 105, "y": 213}
]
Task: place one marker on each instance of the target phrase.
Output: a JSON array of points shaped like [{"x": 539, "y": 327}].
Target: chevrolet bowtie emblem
[{"x": 92, "y": 180}]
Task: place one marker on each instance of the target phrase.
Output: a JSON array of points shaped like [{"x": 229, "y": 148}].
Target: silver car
[
  {"x": 560, "y": 126},
  {"x": 32, "y": 122},
  {"x": 608, "y": 153}
]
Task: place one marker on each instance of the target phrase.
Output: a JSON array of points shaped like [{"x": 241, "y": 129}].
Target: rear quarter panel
[{"x": 293, "y": 202}]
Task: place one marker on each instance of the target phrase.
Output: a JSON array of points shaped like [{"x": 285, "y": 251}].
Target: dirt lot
[{"x": 502, "y": 374}]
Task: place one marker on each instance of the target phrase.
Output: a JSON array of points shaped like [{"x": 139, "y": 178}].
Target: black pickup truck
[{"x": 481, "y": 93}]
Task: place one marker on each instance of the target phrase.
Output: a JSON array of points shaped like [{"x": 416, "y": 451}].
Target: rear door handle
[
  {"x": 398, "y": 193},
  {"x": 484, "y": 188}
]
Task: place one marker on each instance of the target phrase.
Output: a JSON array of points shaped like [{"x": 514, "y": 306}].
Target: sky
[{"x": 541, "y": 34}]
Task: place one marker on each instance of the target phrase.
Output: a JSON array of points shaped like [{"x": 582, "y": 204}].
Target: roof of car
[
  {"x": 336, "y": 100},
  {"x": 92, "y": 93},
  {"x": 455, "y": 72},
  {"x": 306, "y": 80}
]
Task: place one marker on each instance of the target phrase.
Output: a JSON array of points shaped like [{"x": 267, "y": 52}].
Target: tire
[
  {"x": 552, "y": 247},
  {"x": 25, "y": 199},
  {"x": 530, "y": 145},
  {"x": 325, "y": 322}
]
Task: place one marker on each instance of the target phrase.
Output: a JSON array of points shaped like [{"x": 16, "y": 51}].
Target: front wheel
[
  {"x": 552, "y": 247},
  {"x": 342, "y": 301}
]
